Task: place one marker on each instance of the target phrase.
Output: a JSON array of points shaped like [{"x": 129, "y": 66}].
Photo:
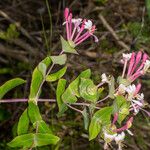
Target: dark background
[{"x": 129, "y": 19}]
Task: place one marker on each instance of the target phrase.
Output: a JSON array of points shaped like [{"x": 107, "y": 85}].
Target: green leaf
[
  {"x": 42, "y": 127},
  {"x": 100, "y": 118},
  {"x": 67, "y": 47},
  {"x": 25, "y": 140},
  {"x": 112, "y": 87},
  {"x": 121, "y": 106},
  {"x": 123, "y": 81},
  {"x": 45, "y": 139},
  {"x": 60, "y": 59},
  {"x": 7, "y": 86},
  {"x": 60, "y": 90},
  {"x": 57, "y": 75},
  {"x": 34, "y": 113},
  {"x": 72, "y": 92},
  {"x": 10, "y": 34},
  {"x": 37, "y": 140},
  {"x": 23, "y": 123},
  {"x": 86, "y": 118},
  {"x": 38, "y": 77},
  {"x": 88, "y": 90}
]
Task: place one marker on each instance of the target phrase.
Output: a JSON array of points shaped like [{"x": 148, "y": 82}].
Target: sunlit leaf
[
  {"x": 99, "y": 119},
  {"x": 23, "y": 123},
  {"x": 57, "y": 75},
  {"x": 86, "y": 118},
  {"x": 60, "y": 90},
  {"x": 42, "y": 127},
  {"x": 7, "y": 86},
  {"x": 66, "y": 46},
  {"x": 88, "y": 90},
  {"x": 60, "y": 59},
  {"x": 34, "y": 113},
  {"x": 38, "y": 77},
  {"x": 72, "y": 92},
  {"x": 35, "y": 140}
]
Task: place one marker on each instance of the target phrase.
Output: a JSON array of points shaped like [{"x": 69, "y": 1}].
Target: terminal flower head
[
  {"x": 78, "y": 30},
  {"x": 138, "y": 65}
]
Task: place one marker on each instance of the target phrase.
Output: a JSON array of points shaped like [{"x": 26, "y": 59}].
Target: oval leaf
[
  {"x": 57, "y": 75},
  {"x": 66, "y": 46},
  {"x": 60, "y": 59},
  {"x": 23, "y": 123},
  {"x": 88, "y": 90},
  {"x": 60, "y": 90},
  {"x": 38, "y": 77},
  {"x": 72, "y": 92},
  {"x": 7, "y": 86},
  {"x": 34, "y": 113},
  {"x": 42, "y": 127},
  {"x": 100, "y": 118},
  {"x": 35, "y": 140}
]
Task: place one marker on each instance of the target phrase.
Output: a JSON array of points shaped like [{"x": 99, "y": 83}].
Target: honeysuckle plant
[{"x": 111, "y": 122}]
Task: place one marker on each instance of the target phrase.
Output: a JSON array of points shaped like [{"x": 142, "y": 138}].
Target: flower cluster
[
  {"x": 78, "y": 30},
  {"x": 135, "y": 65},
  {"x": 138, "y": 65}
]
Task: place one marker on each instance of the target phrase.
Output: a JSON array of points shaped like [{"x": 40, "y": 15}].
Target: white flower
[
  {"x": 104, "y": 78},
  {"x": 146, "y": 66},
  {"x": 126, "y": 56},
  {"x": 137, "y": 102},
  {"x": 77, "y": 21},
  {"x": 120, "y": 137},
  {"x": 121, "y": 89},
  {"x": 140, "y": 96},
  {"x": 131, "y": 91},
  {"x": 109, "y": 136},
  {"x": 88, "y": 25}
]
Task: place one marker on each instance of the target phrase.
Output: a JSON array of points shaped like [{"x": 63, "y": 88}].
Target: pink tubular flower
[
  {"x": 126, "y": 126},
  {"x": 78, "y": 30},
  {"x": 138, "y": 65},
  {"x": 115, "y": 118}
]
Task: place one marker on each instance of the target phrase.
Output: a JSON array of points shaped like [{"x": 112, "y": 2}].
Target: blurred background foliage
[{"x": 30, "y": 30}]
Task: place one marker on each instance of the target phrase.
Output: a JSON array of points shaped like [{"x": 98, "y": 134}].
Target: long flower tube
[
  {"x": 78, "y": 30},
  {"x": 138, "y": 65}
]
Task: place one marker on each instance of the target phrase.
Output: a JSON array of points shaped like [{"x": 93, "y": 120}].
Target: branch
[
  {"x": 111, "y": 30},
  {"x": 41, "y": 100}
]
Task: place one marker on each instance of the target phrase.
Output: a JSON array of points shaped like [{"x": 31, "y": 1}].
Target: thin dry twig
[
  {"x": 23, "y": 31},
  {"x": 18, "y": 55},
  {"x": 111, "y": 30}
]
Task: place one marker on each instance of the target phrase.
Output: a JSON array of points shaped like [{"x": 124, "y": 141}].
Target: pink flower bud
[
  {"x": 131, "y": 63},
  {"x": 138, "y": 87},
  {"x": 126, "y": 126},
  {"x": 66, "y": 13},
  {"x": 129, "y": 122}
]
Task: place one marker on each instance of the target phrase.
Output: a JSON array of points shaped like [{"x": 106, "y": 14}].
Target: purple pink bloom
[
  {"x": 138, "y": 65},
  {"x": 78, "y": 30}
]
